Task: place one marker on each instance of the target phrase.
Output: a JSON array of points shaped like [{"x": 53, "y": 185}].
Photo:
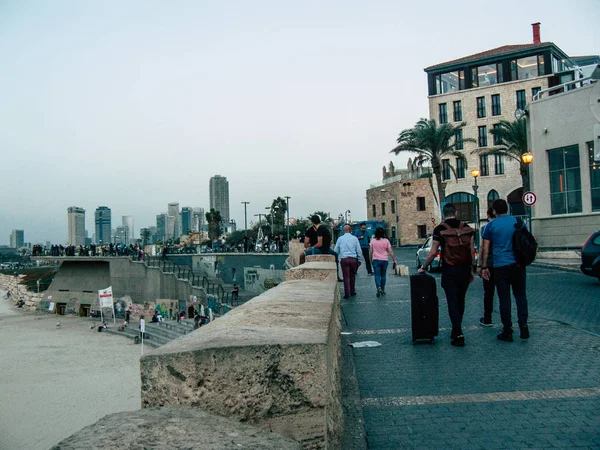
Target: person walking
[
  {"x": 456, "y": 240},
  {"x": 350, "y": 254},
  {"x": 363, "y": 240},
  {"x": 380, "y": 249},
  {"x": 488, "y": 285},
  {"x": 497, "y": 239}
]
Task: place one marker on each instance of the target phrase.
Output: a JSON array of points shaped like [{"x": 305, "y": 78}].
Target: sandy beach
[{"x": 56, "y": 380}]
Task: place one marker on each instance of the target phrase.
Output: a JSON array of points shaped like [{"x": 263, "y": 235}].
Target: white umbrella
[
  {"x": 202, "y": 310},
  {"x": 210, "y": 314}
]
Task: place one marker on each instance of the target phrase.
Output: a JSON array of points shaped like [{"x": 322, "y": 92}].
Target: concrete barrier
[{"x": 273, "y": 362}]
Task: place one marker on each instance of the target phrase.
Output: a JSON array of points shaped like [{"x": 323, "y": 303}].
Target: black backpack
[{"x": 524, "y": 244}]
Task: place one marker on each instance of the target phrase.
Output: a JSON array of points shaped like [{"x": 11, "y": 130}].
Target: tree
[
  {"x": 325, "y": 217},
  {"x": 278, "y": 211},
  {"x": 431, "y": 143},
  {"x": 145, "y": 236},
  {"x": 513, "y": 136},
  {"x": 213, "y": 218}
]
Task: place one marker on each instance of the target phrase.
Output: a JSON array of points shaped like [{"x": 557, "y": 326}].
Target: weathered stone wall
[
  {"x": 11, "y": 284},
  {"x": 273, "y": 361}
]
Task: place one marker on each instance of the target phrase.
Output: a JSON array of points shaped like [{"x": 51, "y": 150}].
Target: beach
[{"x": 56, "y": 380}]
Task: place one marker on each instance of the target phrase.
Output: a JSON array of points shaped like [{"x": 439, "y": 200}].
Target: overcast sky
[{"x": 134, "y": 104}]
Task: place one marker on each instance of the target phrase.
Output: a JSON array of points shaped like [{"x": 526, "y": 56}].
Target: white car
[{"x": 436, "y": 264}]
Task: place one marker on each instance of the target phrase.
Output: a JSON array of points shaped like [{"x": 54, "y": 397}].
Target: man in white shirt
[{"x": 350, "y": 254}]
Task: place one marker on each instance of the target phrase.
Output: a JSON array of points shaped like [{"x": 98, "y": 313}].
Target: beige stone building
[
  {"x": 564, "y": 136},
  {"x": 403, "y": 199},
  {"x": 481, "y": 90}
]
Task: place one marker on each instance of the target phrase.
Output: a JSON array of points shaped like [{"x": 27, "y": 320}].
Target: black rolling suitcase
[{"x": 424, "y": 308}]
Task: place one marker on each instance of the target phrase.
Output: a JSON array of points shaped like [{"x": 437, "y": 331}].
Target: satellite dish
[{"x": 520, "y": 113}]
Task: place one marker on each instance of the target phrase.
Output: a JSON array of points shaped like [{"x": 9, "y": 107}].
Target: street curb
[{"x": 557, "y": 267}]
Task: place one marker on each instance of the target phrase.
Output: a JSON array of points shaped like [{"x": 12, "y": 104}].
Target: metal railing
[{"x": 569, "y": 86}]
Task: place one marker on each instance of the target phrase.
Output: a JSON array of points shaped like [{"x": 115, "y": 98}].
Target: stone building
[
  {"x": 564, "y": 136},
  {"x": 481, "y": 90},
  {"x": 404, "y": 201}
]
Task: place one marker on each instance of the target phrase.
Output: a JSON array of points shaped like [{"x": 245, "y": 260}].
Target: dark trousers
[
  {"x": 488, "y": 296},
  {"x": 365, "y": 252},
  {"x": 505, "y": 278},
  {"x": 455, "y": 281},
  {"x": 349, "y": 269}
]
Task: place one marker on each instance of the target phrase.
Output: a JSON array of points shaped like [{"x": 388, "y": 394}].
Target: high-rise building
[
  {"x": 127, "y": 221},
  {"x": 76, "y": 225},
  {"x": 219, "y": 196},
  {"x": 161, "y": 227},
  {"x": 17, "y": 238},
  {"x": 198, "y": 219},
  {"x": 102, "y": 220},
  {"x": 173, "y": 221},
  {"x": 122, "y": 234},
  {"x": 187, "y": 214}
]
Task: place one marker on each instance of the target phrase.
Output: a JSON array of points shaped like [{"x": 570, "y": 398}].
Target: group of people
[
  {"x": 89, "y": 250},
  {"x": 497, "y": 265}
]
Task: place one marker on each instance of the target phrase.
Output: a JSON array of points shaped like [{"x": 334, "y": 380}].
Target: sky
[{"x": 135, "y": 104}]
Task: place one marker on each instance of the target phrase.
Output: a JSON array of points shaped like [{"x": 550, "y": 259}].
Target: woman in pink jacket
[{"x": 380, "y": 249}]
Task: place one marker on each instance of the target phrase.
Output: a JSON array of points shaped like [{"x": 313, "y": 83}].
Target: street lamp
[
  {"x": 273, "y": 209},
  {"x": 475, "y": 173},
  {"x": 395, "y": 211},
  {"x": 527, "y": 159},
  {"x": 245, "y": 215},
  {"x": 347, "y": 214},
  {"x": 287, "y": 207}
]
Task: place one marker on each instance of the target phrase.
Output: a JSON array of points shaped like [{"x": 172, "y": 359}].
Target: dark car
[{"x": 590, "y": 256}]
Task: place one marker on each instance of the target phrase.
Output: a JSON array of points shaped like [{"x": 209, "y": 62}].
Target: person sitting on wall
[
  {"x": 102, "y": 327},
  {"x": 154, "y": 318}
]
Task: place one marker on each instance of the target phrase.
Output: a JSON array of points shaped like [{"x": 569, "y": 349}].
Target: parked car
[
  {"x": 590, "y": 256},
  {"x": 436, "y": 264}
]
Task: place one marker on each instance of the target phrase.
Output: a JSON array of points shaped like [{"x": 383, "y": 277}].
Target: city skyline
[{"x": 324, "y": 93}]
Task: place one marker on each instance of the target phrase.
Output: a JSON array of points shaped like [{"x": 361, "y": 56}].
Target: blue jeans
[
  {"x": 380, "y": 268},
  {"x": 505, "y": 278}
]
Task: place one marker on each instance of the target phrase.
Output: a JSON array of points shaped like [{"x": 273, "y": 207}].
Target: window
[
  {"x": 528, "y": 67},
  {"x": 420, "y": 203},
  {"x": 445, "y": 169},
  {"x": 594, "y": 178},
  {"x": 474, "y": 77},
  {"x": 460, "y": 167},
  {"x": 558, "y": 65},
  {"x": 565, "y": 180},
  {"x": 422, "y": 231},
  {"x": 374, "y": 211},
  {"x": 383, "y": 208},
  {"x": 461, "y": 79},
  {"x": 534, "y": 91},
  {"x": 482, "y": 136},
  {"x": 458, "y": 140},
  {"x": 446, "y": 82},
  {"x": 492, "y": 195},
  {"x": 480, "y": 107},
  {"x": 443, "y": 113},
  {"x": 457, "y": 111},
  {"x": 497, "y": 138},
  {"x": 499, "y": 160},
  {"x": 464, "y": 204},
  {"x": 496, "y": 108},
  {"x": 393, "y": 204},
  {"x": 484, "y": 165},
  {"x": 489, "y": 74},
  {"x": 521, "y": 100}
]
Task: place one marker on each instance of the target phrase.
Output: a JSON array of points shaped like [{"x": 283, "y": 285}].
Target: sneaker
[
  {"x": 378, "y": 292},
  {"x": 340, "y": 280},
  {"x": 382, "y": 292},
  {"x": 485, "y": 323},
  {"x": 505, "y": 336},
  {"x": 345, "y": 297},
  {"x": 524, "y": 332},
  {"x": 371, "y": 274},
  {"x": 458, "y": 341}
]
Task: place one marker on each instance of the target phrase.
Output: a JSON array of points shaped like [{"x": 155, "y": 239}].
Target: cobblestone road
[{"x": 539, "y": 393}]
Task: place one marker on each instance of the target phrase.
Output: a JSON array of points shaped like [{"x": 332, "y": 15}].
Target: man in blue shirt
[
  {"x": 497, "y": 238},
  {"x": 363, "y": 240},
  {"x": 350, "y": 254}
]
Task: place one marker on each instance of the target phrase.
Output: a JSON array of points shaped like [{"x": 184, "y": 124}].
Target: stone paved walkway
[{"x": 540, "y": 393}]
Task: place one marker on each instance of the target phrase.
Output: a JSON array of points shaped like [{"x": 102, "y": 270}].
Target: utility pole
[
  {"x": 287, "y": 207},
  {"x": 245, "y": 215}
]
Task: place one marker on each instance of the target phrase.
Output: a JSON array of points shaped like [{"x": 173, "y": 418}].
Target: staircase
[{"x": 158, "y": 333}]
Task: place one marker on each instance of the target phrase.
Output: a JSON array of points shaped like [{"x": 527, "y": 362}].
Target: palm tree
[
  {"x": 431, "y": 143},
  {"x": 145, "y": 236},
  {"x": 214, "y": 224},
  {"x": 513, "y": 138}
]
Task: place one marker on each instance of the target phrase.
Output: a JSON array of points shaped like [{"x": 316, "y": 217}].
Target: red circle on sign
[{"x": 529, "y": 198}]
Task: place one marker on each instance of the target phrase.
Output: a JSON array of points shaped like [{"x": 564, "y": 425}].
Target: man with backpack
[
  {"x": 456, "y": 239},
  {"x": 500, "y": 237}
]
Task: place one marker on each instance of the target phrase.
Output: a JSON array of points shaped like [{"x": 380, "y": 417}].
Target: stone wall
[
  {"x": 11, "y": 284},
  {"x": 272, "y": 362}
]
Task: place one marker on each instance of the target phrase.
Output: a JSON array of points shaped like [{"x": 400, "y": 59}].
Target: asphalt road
[{"x": 538, "y": 393}]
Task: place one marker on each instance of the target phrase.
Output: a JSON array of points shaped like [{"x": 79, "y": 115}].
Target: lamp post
[
  {"x": 272, "y": 212},
  {"x": 395, "y": 212},
  {"x": 245, "y": 215},
  {"x": 347, "y": 214},
  {"x": 259, "y": 219},
  {"x": 527, "y": 159},
  {"x": 475, "y": 173},
  {"x": 287, "y": 208}
]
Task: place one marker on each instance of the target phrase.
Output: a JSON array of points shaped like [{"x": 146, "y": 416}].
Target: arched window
[
  {"x": 492, "y": 195},
  {"x": 463, "y": 202}
]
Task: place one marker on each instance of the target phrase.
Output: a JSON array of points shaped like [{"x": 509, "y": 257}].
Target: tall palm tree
[
  {"x": 431, "y": 143},
  {"x": 145, "y": 236},
  {"x": 513, "y": 136},
  {"x": 213, "y": 218}
]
